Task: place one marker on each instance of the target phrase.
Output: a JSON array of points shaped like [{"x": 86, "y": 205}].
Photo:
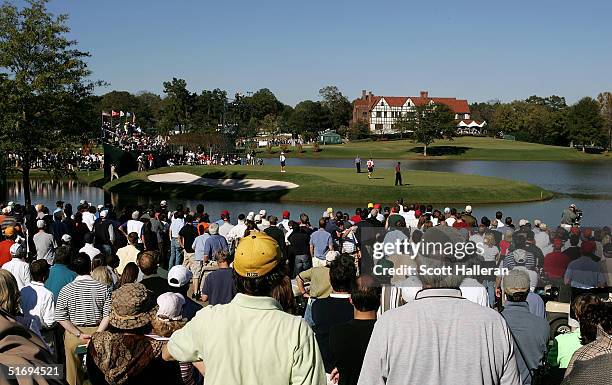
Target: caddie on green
[{"x": 251, "y": 340}]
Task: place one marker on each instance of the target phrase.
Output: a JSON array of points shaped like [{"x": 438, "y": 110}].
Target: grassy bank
[
  {"x": 461, "y": 148},
  {"x": 336, "y": 185}
]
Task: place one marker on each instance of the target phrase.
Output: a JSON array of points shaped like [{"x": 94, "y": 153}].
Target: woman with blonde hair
[
  {"x": 102, "y": 275},
  {"x": 9, "y": 293}
]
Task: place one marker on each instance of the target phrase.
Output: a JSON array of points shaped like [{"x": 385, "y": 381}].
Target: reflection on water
[
  {"x": 563, "y": 177},
  {"x": 48, "y": 191},
  {"x": 596, "y": 212}
]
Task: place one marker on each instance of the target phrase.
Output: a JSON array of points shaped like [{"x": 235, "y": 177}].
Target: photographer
[{"x": 571, "y": 216}]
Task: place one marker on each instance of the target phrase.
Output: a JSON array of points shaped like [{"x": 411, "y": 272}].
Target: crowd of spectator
[{"x": 268, "y": 300}]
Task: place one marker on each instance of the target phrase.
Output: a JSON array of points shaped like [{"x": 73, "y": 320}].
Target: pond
[{"x": 593, "y": 179}]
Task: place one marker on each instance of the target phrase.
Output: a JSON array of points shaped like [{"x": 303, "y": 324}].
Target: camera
[{"x": 578, "y": 217}]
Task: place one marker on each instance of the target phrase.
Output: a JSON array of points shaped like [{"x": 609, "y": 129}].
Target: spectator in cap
[
  {"x": 320, "y": 283},
  {"x": 585, "y": 274},
  {"x": 481, "y": 352},
  {"x": 284, "y": 223},
  {"x": 18, "y": 266},
  {"x": 133, "y": 225},
  {"x": 104, "y": 232},
  {"x": 124, "y": 354},
  {"x": 530, "y": 333},
  {"x": 225, "y": 226},
  {"x": 148, "y": 261},
  {"x": 179, "y": 278},
  {"x": 5, "y": 246},
  {"x": 44, "y": 242},
  {"x": 264, "y": 223},
  {"x": 89, "y": 248},
  {"x": 468, "y": 218},
  {"x": 37, "y": 302},
  {"x": 248, "y": 328},
  {"x": 176, "y": 224}
]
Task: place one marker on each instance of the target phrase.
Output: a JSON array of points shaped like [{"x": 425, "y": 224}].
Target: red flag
[
  {"x": 105, "y": 114},
  {"x": 114, "y": 113}
]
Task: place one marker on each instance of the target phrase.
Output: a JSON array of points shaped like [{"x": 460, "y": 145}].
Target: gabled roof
[
  {"x": 395, "y": 101},
  {"x": 458, "y": 106}
]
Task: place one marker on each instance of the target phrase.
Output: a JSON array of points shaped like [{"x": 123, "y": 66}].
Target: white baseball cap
[
  {"x": 250, "y": 216},
  {"x": 179, "y": 276},
  {"x": 523, "y": 222},
  {"x": 262, "y": 212},
  {"x": 40, "y": 224},
  {"x": 66, "y": 238},
  {"x": 468, "y": 209},
  {"x": 537, "y": 222},
  {"x": 103, "y": 214},
  {"x": 163, "y": 203},
  {"x": 447, "y": 210},
  {"x": 15, "y": 249},
  {"x": 170, "y": 306}
]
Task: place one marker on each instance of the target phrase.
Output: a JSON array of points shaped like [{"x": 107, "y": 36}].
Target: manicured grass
[
  {"x": 337, "y": 185},
  {"x": 461, "y": 148}
]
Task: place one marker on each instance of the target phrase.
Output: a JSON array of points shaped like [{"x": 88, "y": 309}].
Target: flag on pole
[
  {"x": 105, "y": 113},
  {"x": 114, "y": 113},
  {"x": 121, "y": 113}
]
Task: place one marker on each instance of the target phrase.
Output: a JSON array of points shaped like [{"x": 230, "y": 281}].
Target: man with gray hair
[
  {"x": 214, "y": 243},
  {"x": 448, "y": 338}
]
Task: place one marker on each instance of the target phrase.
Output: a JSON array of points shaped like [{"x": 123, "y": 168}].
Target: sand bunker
[{"x": 228, "y": 184}]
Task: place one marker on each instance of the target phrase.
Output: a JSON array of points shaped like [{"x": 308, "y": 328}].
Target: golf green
[{"x": 329, "y": 185}]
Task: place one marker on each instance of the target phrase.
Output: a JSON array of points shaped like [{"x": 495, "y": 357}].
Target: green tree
[
  {"x": 177, "y": 106},
  {"x": 586, "y": 123},
  {"x": 428, "y": 123},
  {"x": 605, "y": 105},
  {"x": 340, "y": 108},
  {"x": 44, "y": 83},
  {"x": 210, "y": 110},
  {"x": 148, "y": 112},
  {"x": 309, "y": 118}
]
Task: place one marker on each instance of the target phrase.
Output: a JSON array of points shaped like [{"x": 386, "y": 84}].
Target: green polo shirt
[
  {"x": 251, "y": 340},
  {"x": 563, "y": 348}
]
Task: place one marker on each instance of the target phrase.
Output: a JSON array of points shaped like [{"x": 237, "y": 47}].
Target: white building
[{"x": 381, "y": 112}]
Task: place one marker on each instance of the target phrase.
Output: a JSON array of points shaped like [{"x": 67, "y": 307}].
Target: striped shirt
[{"x": 84, "y": 302}]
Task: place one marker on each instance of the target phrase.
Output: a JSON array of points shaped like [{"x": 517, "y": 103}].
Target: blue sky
[{"x": 479, "y": 50}]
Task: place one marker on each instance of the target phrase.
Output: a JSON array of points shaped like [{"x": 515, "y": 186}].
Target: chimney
[
  {"x": 371, "y": 94},
  {"x": 363, "y": 94},
  {"x": 424, "y": 94}
]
